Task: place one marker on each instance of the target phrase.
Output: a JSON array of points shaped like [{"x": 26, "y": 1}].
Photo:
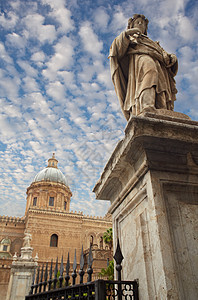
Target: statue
[
  {"x": 142, "y": 71},
  {"x": 26, "y": 240}
]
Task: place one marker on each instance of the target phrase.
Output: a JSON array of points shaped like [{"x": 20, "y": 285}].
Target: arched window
[
  {"x": 91, "y": 240},
  {"x": 101, "y": 242},
  {"x": 54, "y": 240},
  {"x": 51, "y": 201},
  {"x": 34, "y": 201}
]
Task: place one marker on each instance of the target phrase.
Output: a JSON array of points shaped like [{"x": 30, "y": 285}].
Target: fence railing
[
  {"x": 98, "y": 290},
  {"x": 49, "y": 286}
]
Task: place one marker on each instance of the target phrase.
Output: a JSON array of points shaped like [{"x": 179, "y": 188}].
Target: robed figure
[{"x": 142, "y": 71}]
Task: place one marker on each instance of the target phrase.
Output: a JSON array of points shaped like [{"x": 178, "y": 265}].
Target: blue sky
[{"x": 56, "y": 93}]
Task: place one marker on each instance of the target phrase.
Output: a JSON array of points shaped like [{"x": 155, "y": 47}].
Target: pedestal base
[
  {"x": 151, "y": 180},
  {"x": 22, "y": 270}
]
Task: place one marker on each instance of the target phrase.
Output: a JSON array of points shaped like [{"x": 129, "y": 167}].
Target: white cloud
[
  {"x": 10, "y": 21},
  {"x": 61, "y": 60},
  {"x": 90, "y": 41},
  {"x": 186, "y": 29},
  {"x": 168, "y": 9},
  {"x": 54, "y": 4},
  {"x": 118, "y": 22},
  {"x": 4, "y": 55},
  {"x": 56, "y": 90},
  {"x": 68, "y": 78},
  {"x": 10, "y": 110},
  {"x": 14, "y": 40},
  {"x": 61, "y": 14},
  {"x": 29, "y": 70},
  {"x": 35, "y": 29},
  {"x": 101, "y": 18},
  {"x": 38, "y": 56},
  {"x": 36, "y": 147},
  {"x": 5, "y": 128},
  {"x": 9, "y": 86},
  {"x": 105, "y": 78},
  {"x": 30, "y": 85}
]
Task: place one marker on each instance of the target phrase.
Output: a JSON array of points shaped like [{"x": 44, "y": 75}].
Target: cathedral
[{"x": 55, "y": 230}]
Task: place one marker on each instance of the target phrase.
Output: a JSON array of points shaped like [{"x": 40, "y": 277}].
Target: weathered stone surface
[
  {"x": 151, "y": 181},
  {"x": 20, "y": 280},
  {"x": 22, "y": 270},
  {"x": 141, "y": 70}
]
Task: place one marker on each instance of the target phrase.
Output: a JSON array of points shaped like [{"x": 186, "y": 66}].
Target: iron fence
[
  {"x": 46, "y": 286},
  {"x": 98, "y": 290}
]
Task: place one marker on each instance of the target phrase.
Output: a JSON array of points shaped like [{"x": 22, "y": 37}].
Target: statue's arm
[
  {"x": 121, "y": 43},
  {"x": 119, "y": 46},
  {"x": 170, "y": 61}
]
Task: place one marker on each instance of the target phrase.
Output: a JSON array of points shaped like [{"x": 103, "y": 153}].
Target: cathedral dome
[{"x": 51, "y": 173}]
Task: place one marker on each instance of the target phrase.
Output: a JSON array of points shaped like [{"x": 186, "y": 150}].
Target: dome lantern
[{"x": 52, "y": 162}]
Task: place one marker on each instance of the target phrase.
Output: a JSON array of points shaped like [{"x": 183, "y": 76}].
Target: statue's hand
[
  {"x": 173, "y": 58},
  {"x": 132, "y": 31},
  {"x": 166, "y": 57}
]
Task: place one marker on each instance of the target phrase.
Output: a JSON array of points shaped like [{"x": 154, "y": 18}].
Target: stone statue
[
  {"x": 26, "y": 240},
  {"x": 142, "y": 71}
]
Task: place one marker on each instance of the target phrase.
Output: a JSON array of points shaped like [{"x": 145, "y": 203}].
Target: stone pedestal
[
  {"x": 151, "y": 180},
  {"x": 22, "y": 270}
]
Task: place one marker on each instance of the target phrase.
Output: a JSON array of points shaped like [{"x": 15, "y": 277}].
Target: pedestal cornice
[{"x": 147, "y": 141}]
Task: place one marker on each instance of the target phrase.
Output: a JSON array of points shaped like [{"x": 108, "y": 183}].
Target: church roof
[{"x": 51, "y": 173}]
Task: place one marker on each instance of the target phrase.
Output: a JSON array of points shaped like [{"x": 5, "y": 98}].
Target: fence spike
[
  {"x": 67, "y": 277},
  {"x": 74, "y": 275},
  {"x": 90, "y": 262},
  {"x": 74, "y": 263},
  {"x": 32, "y": 285},
  {"x": 55, "y": 274},
  {"x": 37, "y": 279},
  {"x": 38, "y": 273},
  {"x": 61, "y": 272},
  {"x": 45, "y": 277},
  {"x": 41, "y": 279},
  {"x": 50, "y": 276},
  {"x": 82, "y": 262},
  {"x": 90, "y": 257},
  {"x": 46, "y": 273},
  {"x": 118, "y": 258},
  {"x": 56, "y": 268}
]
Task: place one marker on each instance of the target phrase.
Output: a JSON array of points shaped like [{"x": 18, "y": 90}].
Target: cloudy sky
[{"x": 56, "y": 93}]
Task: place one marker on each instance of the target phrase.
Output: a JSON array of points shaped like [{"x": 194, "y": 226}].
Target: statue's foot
[{"x": 150, "y": 109}]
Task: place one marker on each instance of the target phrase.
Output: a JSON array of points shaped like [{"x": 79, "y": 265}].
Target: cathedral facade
[{"x": 55, "y": 230}]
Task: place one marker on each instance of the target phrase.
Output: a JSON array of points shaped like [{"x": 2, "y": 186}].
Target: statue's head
[{"x": 132, "y": 22}]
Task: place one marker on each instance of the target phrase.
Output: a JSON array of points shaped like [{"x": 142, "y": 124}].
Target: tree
[
  {"x": 108, "y": 237},
  {"x": 109, "y": 271}
]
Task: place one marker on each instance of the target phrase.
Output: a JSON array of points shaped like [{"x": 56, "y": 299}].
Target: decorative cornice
[
  {"x": 71, "y": 214},
  {"x": 48, "y": 184},
  {"x": 12, "y": 219}
]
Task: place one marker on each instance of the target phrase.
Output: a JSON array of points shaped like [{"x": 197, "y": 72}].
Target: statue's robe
[{"x": 136, "y": 67}]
